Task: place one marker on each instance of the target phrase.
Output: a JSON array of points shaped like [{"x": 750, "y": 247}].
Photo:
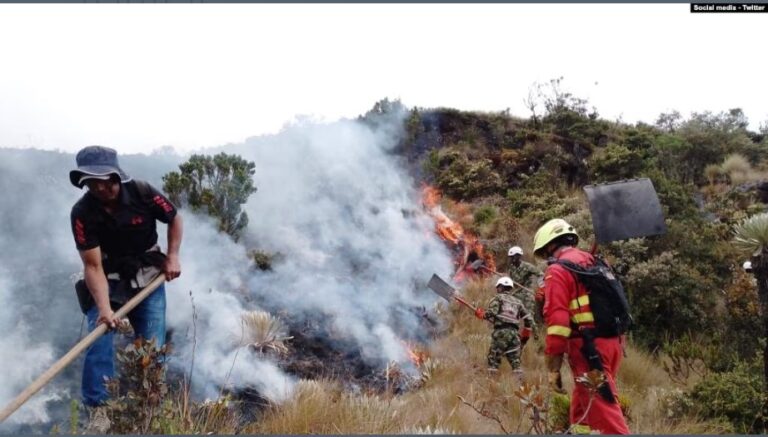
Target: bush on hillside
[
  {"x": 668, "y": 298},
  {"x": 676, "y": 198},
  {"x": 461, "y": 178},
  {"x": 613, "y": 163},
  {"x": 737, "y": 395},
  {"x": 742, "y": 317},
  {"x": 704, "y": 246},
  {"x": 639, "y": 139},
  {"x": 218, "y": 185},
  {"x": 484, "y": 215}
]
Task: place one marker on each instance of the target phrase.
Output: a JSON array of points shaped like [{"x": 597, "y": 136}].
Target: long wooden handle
[
  {"x": 516, "y": 284},
  {"x": 461, "y": 300},
  {"x": 64, "y": 361}
]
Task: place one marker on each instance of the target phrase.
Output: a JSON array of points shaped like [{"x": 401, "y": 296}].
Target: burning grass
[{"x": 465, "y": 245}]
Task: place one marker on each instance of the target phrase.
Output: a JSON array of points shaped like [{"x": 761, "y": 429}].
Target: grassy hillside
[{"x": 692, "y": 364}]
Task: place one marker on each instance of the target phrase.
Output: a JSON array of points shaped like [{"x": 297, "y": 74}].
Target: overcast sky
[{"x": 140, "y": 76}]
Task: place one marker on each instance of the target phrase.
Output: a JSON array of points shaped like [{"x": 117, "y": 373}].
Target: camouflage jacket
[
  {"x": 526, "y": 274},
  {"x": 505, "y": 310}
]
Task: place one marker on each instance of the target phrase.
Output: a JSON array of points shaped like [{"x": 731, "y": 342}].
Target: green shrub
[
  {"x": 559, "y": 412},
  {"x": 137, "y": 397},
  {"x": 218, "y": 185},
  {"x": 742, "y": 316},
  {"x": 737, "y": 395},
  {"x": 485, "y": 214},
  {"x": 676, "y": 403},
  {"x": 755, "y": 152},
  {"x": 704, "y": 246},
  {"x": 264, "y": 260},
  {"x": 615, "y": 162},
  {"x": 668, "y": 298},
  {"x": 688, "y": 355},
  {"x": 676, "y": 198},
  {"x": 461, "y": 178}
]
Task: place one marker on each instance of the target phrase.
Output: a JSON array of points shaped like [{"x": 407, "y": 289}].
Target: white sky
[{"x": 139, "y": 76}]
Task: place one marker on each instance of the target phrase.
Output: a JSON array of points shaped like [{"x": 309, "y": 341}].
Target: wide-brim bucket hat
[{"x": 96, "y": 161}]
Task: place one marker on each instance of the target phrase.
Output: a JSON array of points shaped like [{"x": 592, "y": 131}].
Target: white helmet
[
  {"x": 505, "y": 281},
  {"x": 515, "y": 250},
  {"x": 747, "y": 265}
]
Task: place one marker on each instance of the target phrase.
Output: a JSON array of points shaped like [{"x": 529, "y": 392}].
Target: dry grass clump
[
  {"x": 737, "y": 168},
  {"x": 219, "y": 416},
  {"x": 262, "y": 331},
  {"x": 426, "y": 430},
  {"x": 323, "y": 407},
  {"x": 640, "y": 369},
  {"x": 713, "y": 172}
]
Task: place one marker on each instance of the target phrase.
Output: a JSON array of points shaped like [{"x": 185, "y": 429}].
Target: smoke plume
[{"x": 354, "y": 250}]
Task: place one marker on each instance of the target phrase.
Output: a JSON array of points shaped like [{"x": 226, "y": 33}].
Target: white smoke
[
  {"x": 356, "y": 251},
  {"x": 23, "y": 360},
  {"x": 214, "y": 269},
  {"x": 347, "y": 219}
]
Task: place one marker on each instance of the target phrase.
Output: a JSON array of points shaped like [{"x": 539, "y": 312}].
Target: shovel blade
[
  {"x": 442, "y": 288},
  {"x": 625, "y": 209}
]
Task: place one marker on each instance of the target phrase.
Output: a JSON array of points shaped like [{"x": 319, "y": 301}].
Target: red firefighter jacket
[{"x": 566, "y": 302}]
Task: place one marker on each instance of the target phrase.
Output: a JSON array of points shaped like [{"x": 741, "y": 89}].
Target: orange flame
[
  {"x": 415, "y": 355},
  {"x": 467, "y": 247}
]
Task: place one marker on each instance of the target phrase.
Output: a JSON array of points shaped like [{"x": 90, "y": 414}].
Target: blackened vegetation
[
  {"x": 250, "y": 403},
  {"x": 316, "y": 351}
]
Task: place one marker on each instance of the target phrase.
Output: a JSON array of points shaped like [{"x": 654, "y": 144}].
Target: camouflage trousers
[{"x": 505, "y": 342}]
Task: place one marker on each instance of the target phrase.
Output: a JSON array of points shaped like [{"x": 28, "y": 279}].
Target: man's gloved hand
[
  {"x": 480, "y": 313},
  {"x": 554, "y": 378},
  {"x": 525, "y": 335}
]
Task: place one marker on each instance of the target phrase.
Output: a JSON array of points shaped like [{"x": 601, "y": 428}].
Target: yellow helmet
[{"x": 549, "y": 231}]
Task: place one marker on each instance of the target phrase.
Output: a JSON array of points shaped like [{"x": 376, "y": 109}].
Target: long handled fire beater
[
  {"x": 444, "y": 290},
  {"x": 480, "y": 264},
  {"x": 70, "y": 356},
  {"x": 620, "y": 210}
]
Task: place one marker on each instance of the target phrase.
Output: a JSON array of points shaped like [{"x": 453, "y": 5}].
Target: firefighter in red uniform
[{"x": 569, "y": 321}]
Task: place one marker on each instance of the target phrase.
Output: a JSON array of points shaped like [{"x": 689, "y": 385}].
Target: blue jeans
[{"x": 147, "y": 320}]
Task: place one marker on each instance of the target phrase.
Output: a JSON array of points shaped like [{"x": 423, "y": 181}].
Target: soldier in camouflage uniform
[
  {"x": 526, "y": 274},
  {"x": 507, "y": 314}
]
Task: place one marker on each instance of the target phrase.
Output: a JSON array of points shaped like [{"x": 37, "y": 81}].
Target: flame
[
  {"x": 415, "y": 355},
  {"x": 466, "y": 246}
]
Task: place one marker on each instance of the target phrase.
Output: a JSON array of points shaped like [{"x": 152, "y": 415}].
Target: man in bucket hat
[{"x": 114, "y": 226}]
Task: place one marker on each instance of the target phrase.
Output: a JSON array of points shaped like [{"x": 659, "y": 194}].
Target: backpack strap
[{"x": 576, "y": 268}]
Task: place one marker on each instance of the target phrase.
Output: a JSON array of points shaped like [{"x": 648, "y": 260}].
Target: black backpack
[{"x": 607, "y": 299}]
